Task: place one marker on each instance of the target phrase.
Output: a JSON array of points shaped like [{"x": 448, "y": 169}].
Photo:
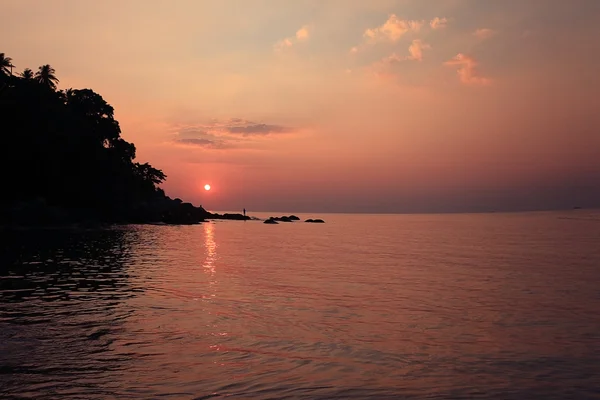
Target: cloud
[
  {"x": 416, "y": 50},
  {"x": 206, "y": 143},
  {"x": 233, "y": 133},
  {"x": 386, "y": 67},
  {"x": 198, "y": 142},
  {"x": 302, "y": 35},
  {"x": 392, "y": 59},
  {"x": 257, "y": 129},
  {"x": 484, "y": 33},
  {"x": 393, "y": 29},
  {"x": 438, "y": 23},
  {"x": 467, "y": 70},
  {"x": 193, "y": 136}
]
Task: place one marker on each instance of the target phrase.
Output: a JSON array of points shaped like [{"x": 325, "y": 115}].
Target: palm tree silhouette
[
  {"x": 69, "y": 93},
  {"x": 46, "y": 77},
  {"x": 6, "y": 65},
  {"x": 27, "y": 74}
]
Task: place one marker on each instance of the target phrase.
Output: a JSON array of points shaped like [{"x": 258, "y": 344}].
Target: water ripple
[{"x": 483, "y": 307}]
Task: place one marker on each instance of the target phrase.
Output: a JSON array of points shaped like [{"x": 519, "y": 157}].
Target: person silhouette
[{"x": 244, "y": 212}]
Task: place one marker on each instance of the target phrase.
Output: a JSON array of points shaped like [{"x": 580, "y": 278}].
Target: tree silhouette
[
  {"x": 27, "y": 74},
  {"x": 67, "y": 95},
  {"x": 65, "y": 150},
  {"x": 45, "y": 76},
  {"x": 5, "y": 65}
]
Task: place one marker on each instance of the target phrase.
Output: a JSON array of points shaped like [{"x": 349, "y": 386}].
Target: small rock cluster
[{"x": 291, "y": 218}]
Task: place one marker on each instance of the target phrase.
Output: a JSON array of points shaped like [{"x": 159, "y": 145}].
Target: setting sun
[{"x": 207, "y": 187}]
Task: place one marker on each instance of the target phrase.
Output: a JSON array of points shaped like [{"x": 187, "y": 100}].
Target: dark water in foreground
[{"x": 503, "y": 306}]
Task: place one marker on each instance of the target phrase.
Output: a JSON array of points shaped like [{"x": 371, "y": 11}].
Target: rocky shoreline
[
  {"x": 160, "y": 211},
  {"x": 165, "y": 211}
]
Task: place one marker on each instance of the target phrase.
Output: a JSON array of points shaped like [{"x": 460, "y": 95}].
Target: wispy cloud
[
  {"x": 415, "y": 50},
  {"x": 467, "y": 70},
  {"x": 438, "y": 23},
  {"x": 252, "y": 129},
  {"x": 392, "y": 59},
  {"x": 484, "y": 33},
  {"x": 234, "y": 133},
  {"x": 197, "y": 142},
  {"x": 195, "y": 136},
  {"x": 206, "y": 143},
  {"x": 302, "y": 35}
]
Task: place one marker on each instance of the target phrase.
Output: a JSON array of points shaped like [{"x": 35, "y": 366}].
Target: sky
[{"x": 339, "y": 105}]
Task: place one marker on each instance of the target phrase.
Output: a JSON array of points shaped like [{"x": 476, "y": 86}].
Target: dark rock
[
  {"x": 315, "y": 221},
  {"x": 294, "y": 218},
  {"x": 270, "y": 221},
  {"x": 236, "y": 217},
  {"x": 179, "y": 213}
]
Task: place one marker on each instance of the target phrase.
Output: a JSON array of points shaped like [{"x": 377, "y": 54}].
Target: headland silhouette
[{"x": 65, "y": 161}]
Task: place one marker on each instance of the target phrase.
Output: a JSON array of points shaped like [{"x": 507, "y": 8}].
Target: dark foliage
[{"x": 63, "y": 150}]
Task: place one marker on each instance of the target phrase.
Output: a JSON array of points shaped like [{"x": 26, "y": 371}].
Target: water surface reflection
[
  {"x": 387, "y": 307},
  {"x": 63, "y": 301}
]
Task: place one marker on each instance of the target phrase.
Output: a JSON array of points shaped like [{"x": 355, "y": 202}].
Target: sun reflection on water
[
  {"x": 210, "y": 251},
  {"x": 209, "y": 265}
]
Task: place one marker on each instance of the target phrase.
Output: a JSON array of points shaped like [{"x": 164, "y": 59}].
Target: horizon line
[{"x": 412, "y": 213}]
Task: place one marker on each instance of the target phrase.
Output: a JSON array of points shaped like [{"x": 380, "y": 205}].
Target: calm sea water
[{"x": 503, "y": 306}]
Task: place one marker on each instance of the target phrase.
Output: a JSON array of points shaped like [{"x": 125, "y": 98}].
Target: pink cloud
[
  {"x": 302, "y": 35},
  {"x": 467, "y": 70},
  {"x": 393, "y": 29},
  {"x": 384, "y": 68},
  {"x": 438, "y": 23},
  {"x": 416, "y": 50}
]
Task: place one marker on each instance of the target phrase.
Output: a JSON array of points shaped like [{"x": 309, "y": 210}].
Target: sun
[{"x": 207, "y": 187}]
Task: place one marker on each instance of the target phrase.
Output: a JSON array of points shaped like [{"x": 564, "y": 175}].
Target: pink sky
[{"x": 340, "y": 105}]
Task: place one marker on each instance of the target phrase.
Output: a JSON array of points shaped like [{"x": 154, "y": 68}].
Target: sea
[{"x": 444, "y": 306}]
